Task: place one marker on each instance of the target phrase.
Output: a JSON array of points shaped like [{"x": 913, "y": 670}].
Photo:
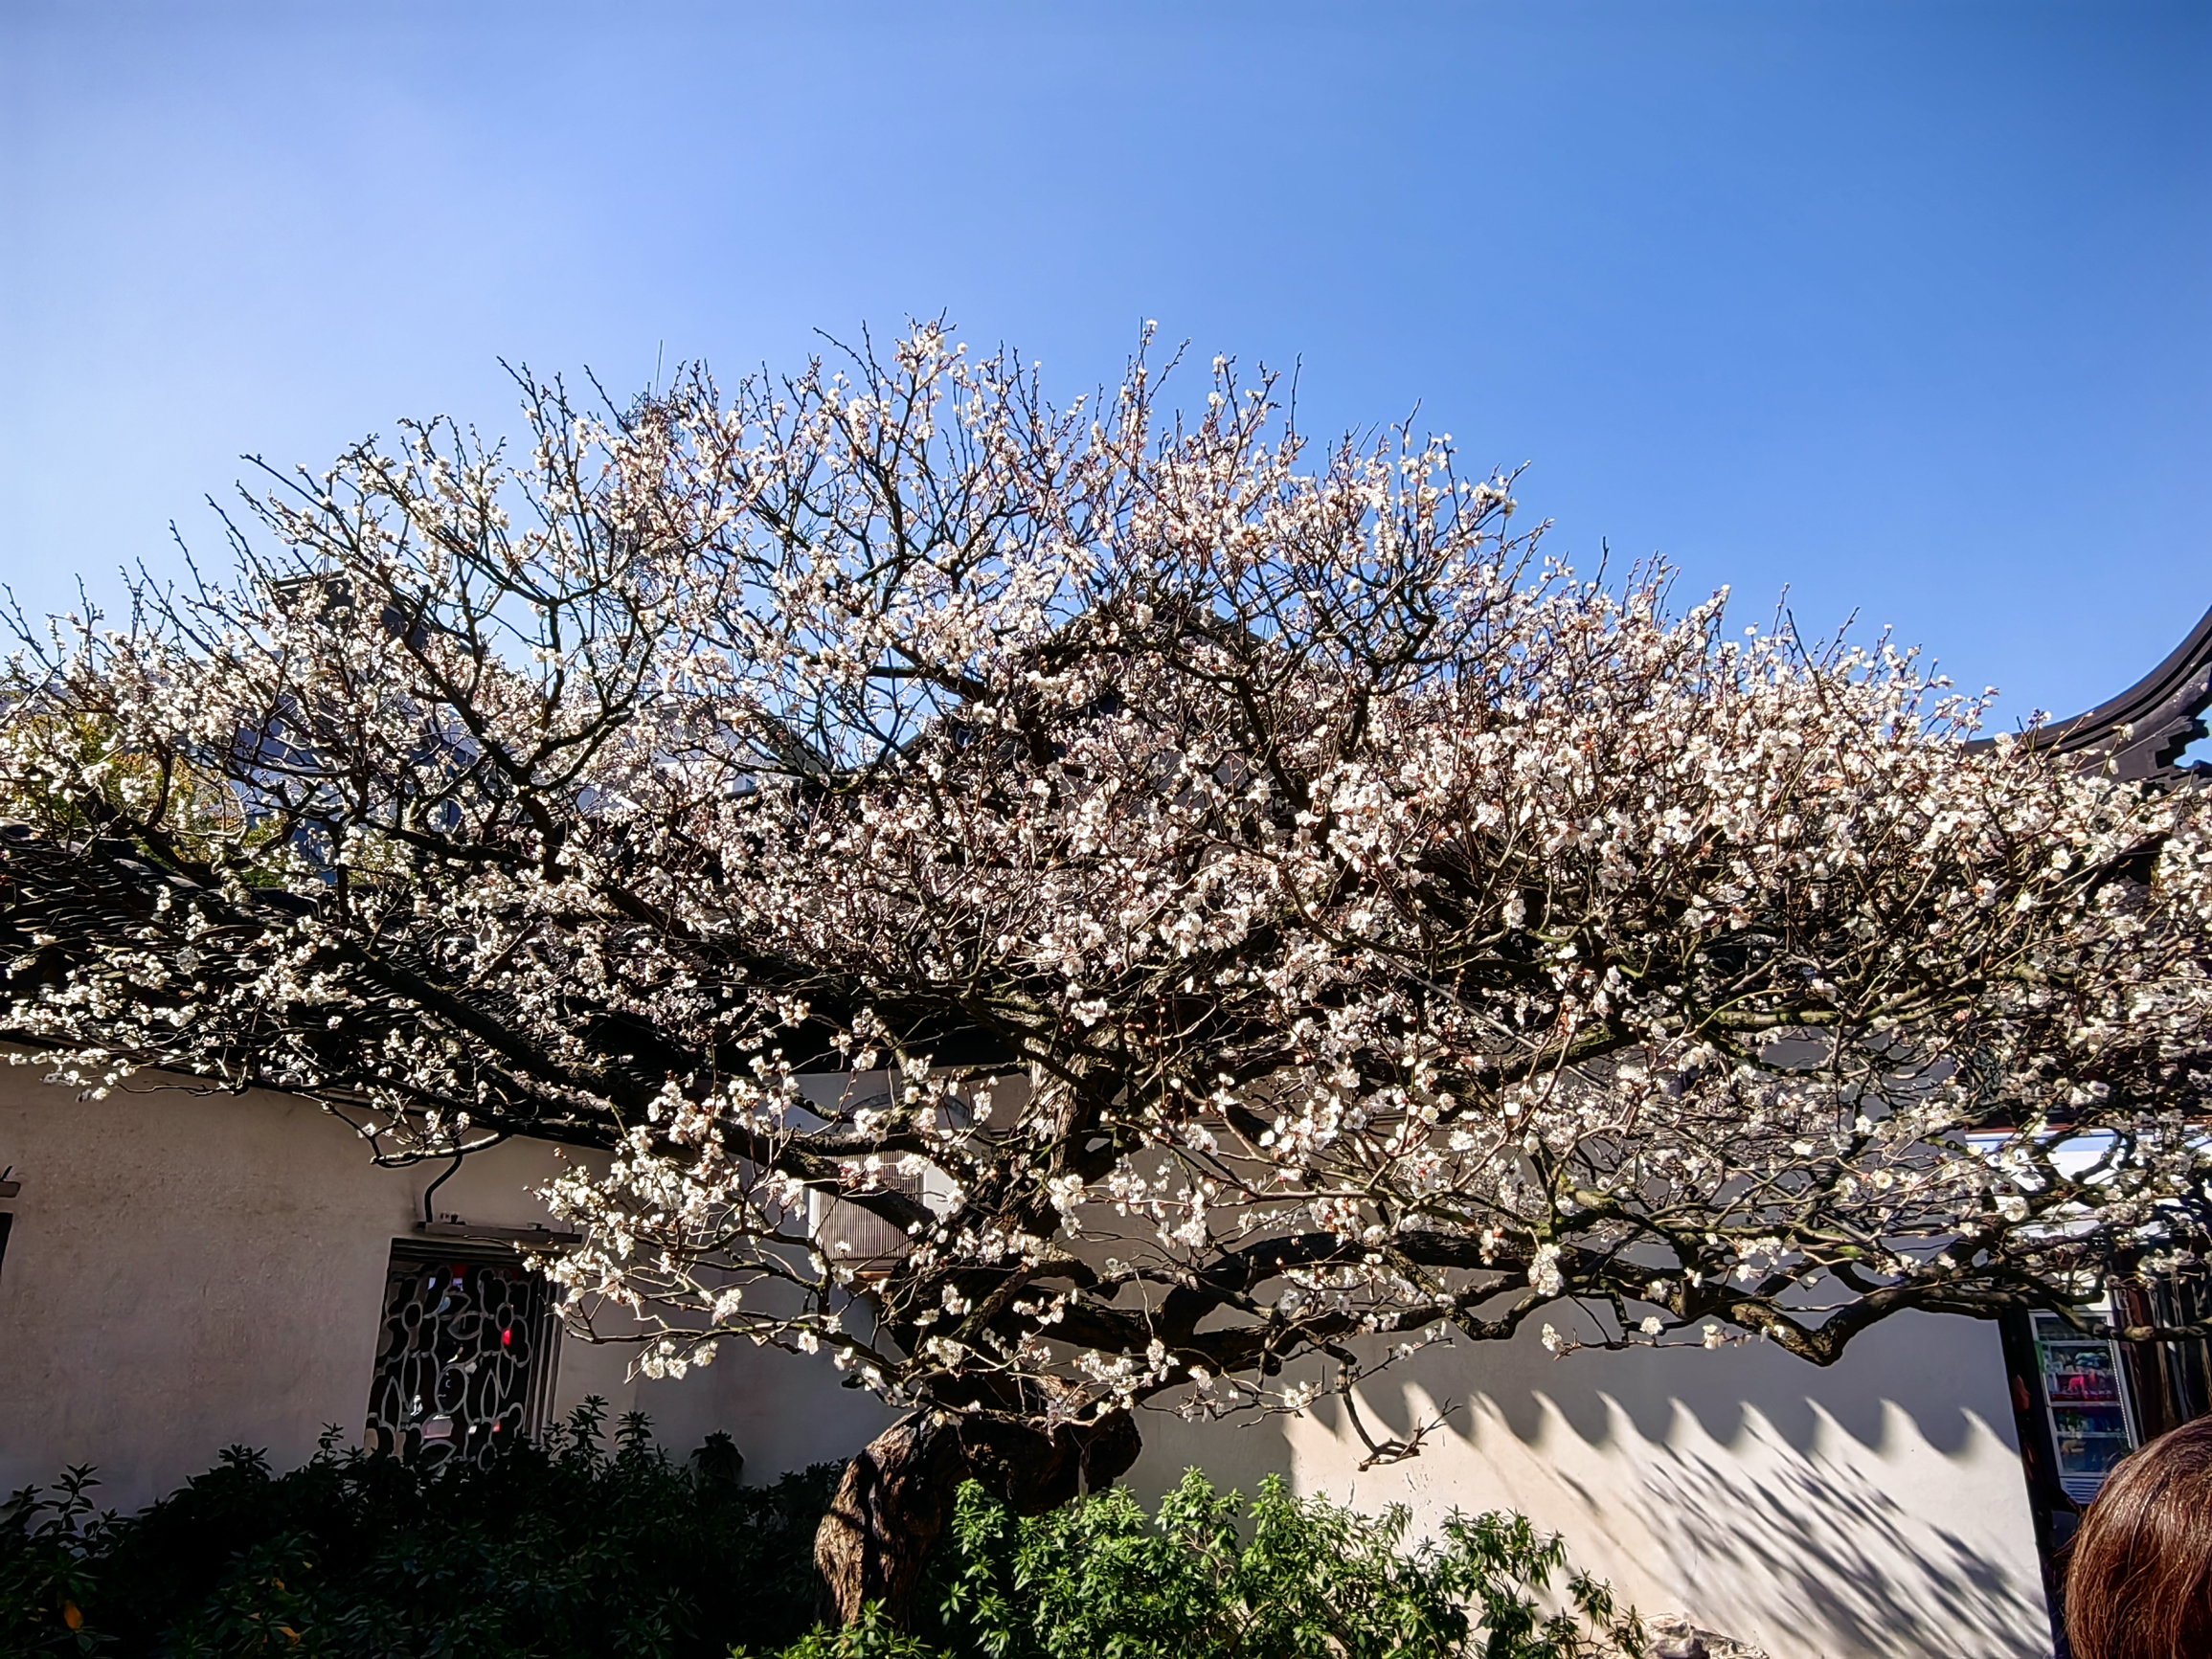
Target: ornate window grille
[{"x": 464, "y": 1354}]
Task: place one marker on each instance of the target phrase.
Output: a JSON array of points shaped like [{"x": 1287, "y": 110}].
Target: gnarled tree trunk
[{"x": 892, "y": 1506}]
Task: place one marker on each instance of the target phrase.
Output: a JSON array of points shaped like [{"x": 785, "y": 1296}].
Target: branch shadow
[{"x": 1866, "y": 1575}]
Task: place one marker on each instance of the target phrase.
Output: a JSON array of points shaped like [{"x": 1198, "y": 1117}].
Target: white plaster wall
[
  {"x": 185, "y": 1273},
  {"x": 787, "y": 1412},
  {"x": 1874, "y": 1510}
]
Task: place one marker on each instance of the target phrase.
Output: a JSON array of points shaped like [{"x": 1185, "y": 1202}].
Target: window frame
[{"x": 384, "y": 1434}]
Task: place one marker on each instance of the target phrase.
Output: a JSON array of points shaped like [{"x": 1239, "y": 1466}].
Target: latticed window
[
  {"x": 850, "y": 1234},
  {"x": 464, "y": 1356},
  {"x": 858, "y": 1238}
]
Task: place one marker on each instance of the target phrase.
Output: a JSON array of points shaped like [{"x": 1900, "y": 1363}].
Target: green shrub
[
  {"x": 571, "y": 1551},
  {"x": 565, "y": 1549},
  {"x": 874, "y": 1637},
  {"x": 1297, "y": 1577},
  {"x": 48, "y": 1548}
]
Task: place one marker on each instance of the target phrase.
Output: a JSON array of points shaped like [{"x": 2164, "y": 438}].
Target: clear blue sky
[{"x": 1908, "y": 306}]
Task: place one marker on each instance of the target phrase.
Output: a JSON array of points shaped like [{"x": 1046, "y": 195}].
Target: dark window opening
[
  {"x": 2170, "y": 1383},
  {"x": 464, "y": 1356}
]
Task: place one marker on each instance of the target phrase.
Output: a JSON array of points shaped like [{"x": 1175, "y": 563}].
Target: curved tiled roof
[{"x": 2143, "y": 731}]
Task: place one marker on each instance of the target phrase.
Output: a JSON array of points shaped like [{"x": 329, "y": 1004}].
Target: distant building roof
[{"x": 2143, "y": 731}]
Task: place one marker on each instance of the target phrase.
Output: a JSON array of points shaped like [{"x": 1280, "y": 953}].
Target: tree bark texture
[{"x": 895, "y": 1498}]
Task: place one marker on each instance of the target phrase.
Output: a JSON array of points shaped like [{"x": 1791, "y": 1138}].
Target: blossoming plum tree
[{"x": 1222, "y": 915}]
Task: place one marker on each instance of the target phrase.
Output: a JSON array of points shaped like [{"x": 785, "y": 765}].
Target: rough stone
[{"x": 1675, "y": 1637}]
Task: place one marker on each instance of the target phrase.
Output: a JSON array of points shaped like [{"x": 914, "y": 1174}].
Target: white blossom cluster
[{"x": 1290, "y": 920}]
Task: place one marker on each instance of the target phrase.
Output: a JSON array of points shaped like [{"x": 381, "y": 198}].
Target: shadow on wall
[
  {"x": 1871, "y": 1511},
  {"x": 1867, "y": 1575},
  {"x": 1928, "y": 1378}
]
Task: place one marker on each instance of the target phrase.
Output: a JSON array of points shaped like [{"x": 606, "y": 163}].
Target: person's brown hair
[{"x": 2140, "y": 1571}]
